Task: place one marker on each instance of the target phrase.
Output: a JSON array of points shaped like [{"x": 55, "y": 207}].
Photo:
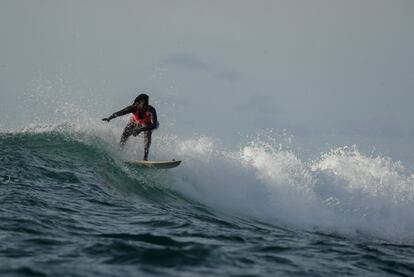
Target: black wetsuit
[{"x": 133, "y": 128}]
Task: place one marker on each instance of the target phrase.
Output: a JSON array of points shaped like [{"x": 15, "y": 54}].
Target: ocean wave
[{"x": 343, "y": 191}]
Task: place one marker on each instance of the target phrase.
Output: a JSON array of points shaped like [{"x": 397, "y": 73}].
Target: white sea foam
[
  {"x": 372, "y": 195},
  {"x": 343, "y": 191}
]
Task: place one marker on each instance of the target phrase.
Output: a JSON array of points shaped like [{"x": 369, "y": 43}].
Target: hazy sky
[{"x": 221, "y": 67}]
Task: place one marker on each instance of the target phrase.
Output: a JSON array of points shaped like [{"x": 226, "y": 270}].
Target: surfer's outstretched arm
[{"x": 127, "y": 110}]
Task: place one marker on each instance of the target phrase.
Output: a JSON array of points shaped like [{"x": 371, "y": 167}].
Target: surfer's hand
[{"x": 106, "y": 119}]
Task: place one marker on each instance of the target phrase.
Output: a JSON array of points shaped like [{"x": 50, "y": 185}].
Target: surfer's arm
[{"x": 127, "y": 110}]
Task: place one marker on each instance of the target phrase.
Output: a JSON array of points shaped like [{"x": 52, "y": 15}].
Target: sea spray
[{"x": 372, "y": 195}]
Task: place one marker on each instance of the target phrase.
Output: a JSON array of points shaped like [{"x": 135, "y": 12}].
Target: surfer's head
[{"x": 142, "y": 99}]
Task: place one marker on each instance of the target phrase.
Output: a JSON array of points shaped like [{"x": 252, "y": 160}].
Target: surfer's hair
[{"x": 142, "y": 98}]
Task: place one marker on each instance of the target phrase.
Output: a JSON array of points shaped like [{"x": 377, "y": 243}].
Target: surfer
[{"x": 144, "y": 120}]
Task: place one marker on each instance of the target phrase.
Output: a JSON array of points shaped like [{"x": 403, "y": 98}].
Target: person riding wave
[{"x": 144, "y": 120}]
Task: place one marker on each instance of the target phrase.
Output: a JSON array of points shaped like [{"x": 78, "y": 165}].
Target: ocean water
[{"x": 70, "y": 206}]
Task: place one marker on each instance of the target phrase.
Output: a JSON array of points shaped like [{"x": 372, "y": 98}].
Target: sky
[{"x": 317, "y": 68}]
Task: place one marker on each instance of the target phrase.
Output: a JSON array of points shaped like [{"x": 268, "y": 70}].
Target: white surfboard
[{"x": 155, "y": 164}]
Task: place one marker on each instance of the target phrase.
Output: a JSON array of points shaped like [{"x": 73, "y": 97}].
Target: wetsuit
[{"x": 144, "y": 120}]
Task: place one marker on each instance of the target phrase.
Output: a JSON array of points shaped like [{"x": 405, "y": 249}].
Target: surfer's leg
[
  {"x": 147, "y": 141},
  {"x": 127, "y": 133}
]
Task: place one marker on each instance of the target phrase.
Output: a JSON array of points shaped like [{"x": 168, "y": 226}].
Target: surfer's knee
[{"x": 125, "y": 135}]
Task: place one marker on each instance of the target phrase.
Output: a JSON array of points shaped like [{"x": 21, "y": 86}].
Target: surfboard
[{"x": 155, "y": 164}]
